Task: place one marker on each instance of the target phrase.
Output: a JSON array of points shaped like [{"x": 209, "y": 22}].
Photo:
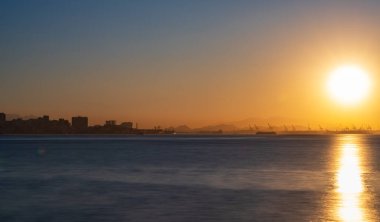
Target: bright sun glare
[{"x": 348, "y": 84}]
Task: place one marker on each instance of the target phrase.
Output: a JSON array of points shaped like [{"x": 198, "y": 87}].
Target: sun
[{"x": 348, "y": 84}]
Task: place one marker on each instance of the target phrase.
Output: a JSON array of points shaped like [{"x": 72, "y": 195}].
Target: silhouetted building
[
  {"x": 110, "y": 123},
  {"x": 2, "y": 118},
  {"x": 127, "y": 125},
  {"x": 79, "y": 123},
  {"x": 38, "y": 125},
  {"x": 62, "y": 125},
  {"x": 2, "y": 122}
]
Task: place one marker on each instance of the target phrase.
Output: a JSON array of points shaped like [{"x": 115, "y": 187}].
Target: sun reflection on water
[{"x": 349, "y": 183}]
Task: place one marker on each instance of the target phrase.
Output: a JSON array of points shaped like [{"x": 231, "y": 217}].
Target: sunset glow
[
  {"x": 197, "y": 64},
  {"x": 350, "y": 184},
  {"x": 348, "y": 84},
  {"x": 190, "y": 110}
]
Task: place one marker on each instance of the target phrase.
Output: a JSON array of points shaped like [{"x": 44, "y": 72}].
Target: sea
[{"x": 190, "y": 178}]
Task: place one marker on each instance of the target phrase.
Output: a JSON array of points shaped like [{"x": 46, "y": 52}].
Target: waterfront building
[
  {"x": 79, "y": 122},
  {"x": 2, "y": 118},
  {"x": 127, "y": 125},
  {"x": 110, "y": 123}
]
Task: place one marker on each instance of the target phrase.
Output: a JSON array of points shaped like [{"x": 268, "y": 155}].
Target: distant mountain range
[
  {"x": 183, "y": 129},
  {"x": 263, "y": 124},
  {"x": 212, "y": 128}
]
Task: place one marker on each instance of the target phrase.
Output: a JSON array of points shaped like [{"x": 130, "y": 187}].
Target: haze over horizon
[{"x": 186, "y": 62}]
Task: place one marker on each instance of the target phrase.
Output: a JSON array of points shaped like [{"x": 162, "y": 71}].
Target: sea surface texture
[{"x": 190, "y": 178}]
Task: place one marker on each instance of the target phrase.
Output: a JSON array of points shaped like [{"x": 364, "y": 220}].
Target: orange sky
[{"x": 193, "y": 64}]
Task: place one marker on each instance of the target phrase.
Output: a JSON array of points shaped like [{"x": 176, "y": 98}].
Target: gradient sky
[{"x": 198, "y": 62}]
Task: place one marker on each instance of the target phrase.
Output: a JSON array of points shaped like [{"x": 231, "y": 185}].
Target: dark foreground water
[{"x": 190, "y": 178}]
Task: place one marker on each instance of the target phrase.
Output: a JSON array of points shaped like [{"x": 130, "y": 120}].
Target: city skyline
[
  {"x": 196, "y": 63},
  {"x": 10, "y": 124}
]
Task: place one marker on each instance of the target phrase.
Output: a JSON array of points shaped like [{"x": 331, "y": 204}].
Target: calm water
[{"x": 190, "y": 178}]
